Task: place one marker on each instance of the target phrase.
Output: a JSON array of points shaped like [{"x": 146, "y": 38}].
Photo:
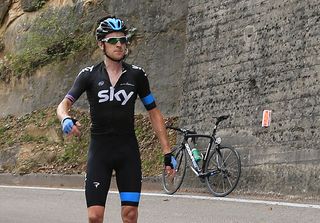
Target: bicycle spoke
[
  {"x": 227, "y": 161},
  {"x": 230, "y": 184},
  {"x": 230, "y": 164}
]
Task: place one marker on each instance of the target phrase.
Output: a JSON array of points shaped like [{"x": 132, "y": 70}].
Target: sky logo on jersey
[
  {"x": 86, "y": 69},
  {"x": 111, "y": 95}
]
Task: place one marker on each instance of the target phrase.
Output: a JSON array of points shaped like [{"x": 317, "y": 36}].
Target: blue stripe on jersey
[
  {"x": 130, "y": 196},
  {"x": 148, "y": 99}
]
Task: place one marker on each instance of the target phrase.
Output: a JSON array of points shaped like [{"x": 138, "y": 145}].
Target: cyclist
[{"x": 112, "y": 87}]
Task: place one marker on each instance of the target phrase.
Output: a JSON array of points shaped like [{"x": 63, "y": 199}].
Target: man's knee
[
  {"x": 95, "y": 214},
  {"x": 129, "y": 214}
]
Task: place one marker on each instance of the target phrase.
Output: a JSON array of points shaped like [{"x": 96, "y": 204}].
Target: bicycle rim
[
  {"x": 225, "y": 170},
  {"x": 172, "y": 182}
]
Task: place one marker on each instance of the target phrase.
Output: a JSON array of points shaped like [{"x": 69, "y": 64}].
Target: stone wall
[
  {"x": 159, "y": 47},
  {"x": 245, "y": 56}
]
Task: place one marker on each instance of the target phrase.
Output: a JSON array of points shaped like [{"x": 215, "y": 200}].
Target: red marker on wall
[{"x": 266, "y": 118}]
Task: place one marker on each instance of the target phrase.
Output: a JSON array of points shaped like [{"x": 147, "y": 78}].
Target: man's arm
[
  {"x": 159, "y": 127},
  {"x": 63, "y": 114},
  {"x": 63, "y": 109}
]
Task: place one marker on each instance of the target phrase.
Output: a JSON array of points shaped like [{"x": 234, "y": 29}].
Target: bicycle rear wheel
[
  {"x": 171, "y": 182},
  {"x": 224, "y": 169}
]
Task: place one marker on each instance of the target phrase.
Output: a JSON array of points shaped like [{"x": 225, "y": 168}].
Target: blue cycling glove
[
  {"x": 169, "y": 160},
  {"x": 174, "y": 162},
  {"x": 67, "y": 124}
]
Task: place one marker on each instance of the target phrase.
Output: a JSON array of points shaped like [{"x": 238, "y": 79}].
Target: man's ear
[{"x": 100, "y": 44}]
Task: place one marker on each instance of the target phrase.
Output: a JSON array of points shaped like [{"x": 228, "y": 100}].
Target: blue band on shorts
[
  {"x": 130, "y": 196},
  {"x": 148, "y": 99}
]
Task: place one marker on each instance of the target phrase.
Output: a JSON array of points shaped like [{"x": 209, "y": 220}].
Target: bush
[{"x": 54, "y": 35}]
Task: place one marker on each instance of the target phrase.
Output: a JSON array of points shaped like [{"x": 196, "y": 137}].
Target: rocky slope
[
  {"x": 34, "y": 143},
  {"x": 45, "y": 43},
  {"x": 43, "y": 46}
]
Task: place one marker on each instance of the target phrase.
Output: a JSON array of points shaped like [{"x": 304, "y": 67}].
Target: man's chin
[{"x": 117, "y": 58}]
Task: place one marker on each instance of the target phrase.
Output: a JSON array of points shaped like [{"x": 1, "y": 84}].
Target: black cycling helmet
[{"x": 108, "y": 25}]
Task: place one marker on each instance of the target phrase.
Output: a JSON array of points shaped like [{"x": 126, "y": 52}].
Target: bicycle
[{"x": 221, "y": 165}]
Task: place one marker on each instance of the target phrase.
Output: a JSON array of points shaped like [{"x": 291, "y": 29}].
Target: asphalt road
[{"x": 54, "y": 205}]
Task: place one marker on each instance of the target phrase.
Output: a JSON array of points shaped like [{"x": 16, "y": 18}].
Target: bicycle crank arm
[{"x": 207, "y": 174}]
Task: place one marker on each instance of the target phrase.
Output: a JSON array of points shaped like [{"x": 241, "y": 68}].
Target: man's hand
[
  {"x": 70, "y": 126},
  {"x": 170, "y": 163}
]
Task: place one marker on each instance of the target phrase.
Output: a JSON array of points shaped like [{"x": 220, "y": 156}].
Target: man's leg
[
  {"x": 95, "y": 214},
  {"x": 128, "y": 174},
  {"x": 129, "y": 214},
  {"x": 98, "y": 178}
]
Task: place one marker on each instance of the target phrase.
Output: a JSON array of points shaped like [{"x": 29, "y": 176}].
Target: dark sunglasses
[{"x": 114, "y": 40}]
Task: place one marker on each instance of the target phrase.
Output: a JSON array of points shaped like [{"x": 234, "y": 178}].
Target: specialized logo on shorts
[
  {"x": 111, "y": 95},
  {"x": 96, "y": 184}
]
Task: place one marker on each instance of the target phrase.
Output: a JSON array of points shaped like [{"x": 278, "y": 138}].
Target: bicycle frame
[
  {"x": 220, "y": 173},
  {"x": 195, "y": 168},
  {"x": 187, "y": 134}
]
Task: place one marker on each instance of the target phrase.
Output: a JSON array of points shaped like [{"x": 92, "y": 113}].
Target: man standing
[{"x": 112, "y": 87}]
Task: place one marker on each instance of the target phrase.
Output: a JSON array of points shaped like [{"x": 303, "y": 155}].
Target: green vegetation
[
  {"x": 53, "y": 36},
  {"x": 74, "y": 153},
  {"x": 36, "y": 143},
  {"x": 2, "y": 130},
  {"x": 30, "y": 138},
  {"x": 40, "y": 3}
]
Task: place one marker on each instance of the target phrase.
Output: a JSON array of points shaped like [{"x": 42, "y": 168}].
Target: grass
[
  {"x": 2, "y": 131},
  {"x": 30, "y": 138}
]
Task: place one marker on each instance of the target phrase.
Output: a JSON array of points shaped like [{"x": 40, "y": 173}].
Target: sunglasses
[{"x": 114, "y": 40}]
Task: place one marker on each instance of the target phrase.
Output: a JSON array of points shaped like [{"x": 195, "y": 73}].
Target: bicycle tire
[
  {"x": 222, "y": 180},
  {"x": 171, "y": 183}
]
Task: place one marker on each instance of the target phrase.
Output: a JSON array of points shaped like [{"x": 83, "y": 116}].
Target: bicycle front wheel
[
  {"x": 223, "y": 168},
  {"x": 172, "y": 181}
]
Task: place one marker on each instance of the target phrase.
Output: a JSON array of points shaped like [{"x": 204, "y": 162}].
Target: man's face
[{"x": 115, "y": 48}]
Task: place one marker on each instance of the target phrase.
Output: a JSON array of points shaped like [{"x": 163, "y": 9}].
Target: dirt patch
[{"x": 34, "y": 143}]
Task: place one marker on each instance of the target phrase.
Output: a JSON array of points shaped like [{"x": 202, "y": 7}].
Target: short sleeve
[
  {"x": 144, "y": 91},
  {"x": 79, "y": 85}
]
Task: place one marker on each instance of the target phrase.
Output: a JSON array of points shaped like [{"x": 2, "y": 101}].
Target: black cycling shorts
[{"x": 108, "y": 153}]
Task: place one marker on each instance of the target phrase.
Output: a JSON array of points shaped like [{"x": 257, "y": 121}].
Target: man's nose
[{"x": 118, "y": 43}]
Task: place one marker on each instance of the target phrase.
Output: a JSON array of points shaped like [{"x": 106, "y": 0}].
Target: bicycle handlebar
[{"x": 188, "y": 131}]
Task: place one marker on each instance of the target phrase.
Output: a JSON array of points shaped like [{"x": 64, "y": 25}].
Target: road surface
[{"x": 57, "y": 205}]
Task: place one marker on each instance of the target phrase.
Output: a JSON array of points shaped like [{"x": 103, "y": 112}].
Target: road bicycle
[{"x": 220, "y": 166}]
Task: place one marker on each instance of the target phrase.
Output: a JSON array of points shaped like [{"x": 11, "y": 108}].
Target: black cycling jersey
[{"x": 112, "y": 107}]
